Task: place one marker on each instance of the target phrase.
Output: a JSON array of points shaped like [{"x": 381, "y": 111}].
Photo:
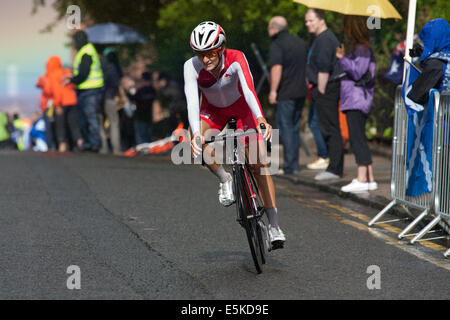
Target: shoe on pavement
[
  {"x": 356, "y": 186},
  {"x": 277, "y": 238},
  {"x": 282, "y": 172},
  {"x": 226, "y": 196},
  {"x": 373, "y": 185},
  {"x": 319, "y": 164},
  {"x": 326, "y": 175}
]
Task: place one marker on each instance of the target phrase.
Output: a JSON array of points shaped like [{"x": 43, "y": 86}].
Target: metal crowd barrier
[
  {"x": 428, "y": 201},
  {"x": 442, "y": 170}
]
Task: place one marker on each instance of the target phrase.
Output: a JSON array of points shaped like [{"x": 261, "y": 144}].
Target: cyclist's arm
[
  {"x": 246, "y": 81},
  {"x": 192, "y": 96}
]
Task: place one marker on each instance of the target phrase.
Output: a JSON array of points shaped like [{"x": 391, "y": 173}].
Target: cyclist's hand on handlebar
[
  {"x": 267, "y": 132},
  {"x": 196, "y": 144}
]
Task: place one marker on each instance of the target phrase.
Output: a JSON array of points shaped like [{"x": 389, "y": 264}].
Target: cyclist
[{"x": 227, "y": 91}]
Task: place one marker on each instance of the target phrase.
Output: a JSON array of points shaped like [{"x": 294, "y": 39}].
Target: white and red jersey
[{"x": 235, "y": 81}]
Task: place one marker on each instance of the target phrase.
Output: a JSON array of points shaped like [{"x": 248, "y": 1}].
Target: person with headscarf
[{"x": 434, "y": 60}]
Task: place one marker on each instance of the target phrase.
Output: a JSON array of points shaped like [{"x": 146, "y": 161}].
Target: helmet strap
[{"x": 219, "y": 64}]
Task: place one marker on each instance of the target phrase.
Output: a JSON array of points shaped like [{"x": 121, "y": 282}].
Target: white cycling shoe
[
  {"x": 277, "y": 238},
  {"x": 226, "y": 196}
]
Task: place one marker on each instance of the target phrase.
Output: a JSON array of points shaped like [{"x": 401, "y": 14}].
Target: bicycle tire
[
  {"x": 258, "y": 229},
  {"x": 251, "y": 226}
]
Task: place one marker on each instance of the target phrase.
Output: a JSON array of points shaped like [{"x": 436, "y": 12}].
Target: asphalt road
[{"x": 144, "y": 228}]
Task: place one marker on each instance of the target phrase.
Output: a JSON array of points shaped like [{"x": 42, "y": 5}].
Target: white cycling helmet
[{"x": 207, "y": 36}]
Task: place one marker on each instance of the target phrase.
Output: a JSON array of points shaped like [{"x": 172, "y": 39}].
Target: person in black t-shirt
[
  {"x": 288, "y": 88},
  {"x": 323, "y": 73},
  {"x": 143, "y": 115}
]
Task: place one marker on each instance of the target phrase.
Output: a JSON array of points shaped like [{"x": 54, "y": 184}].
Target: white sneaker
[
  {"x": 356, "y": 186},
  {"x": 325, "y": 175},
  {"x": 319, "y": 163},
  {"x": 226, "y": 196},
  {"x": 277, "y": 237},
  {"x": 373, "y": 185}
]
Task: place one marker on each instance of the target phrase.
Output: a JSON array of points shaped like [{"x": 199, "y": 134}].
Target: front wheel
[{"x": 249, "y": 220}]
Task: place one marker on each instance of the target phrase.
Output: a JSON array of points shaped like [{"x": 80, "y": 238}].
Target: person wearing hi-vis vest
[{"x": 88, "y": 80}]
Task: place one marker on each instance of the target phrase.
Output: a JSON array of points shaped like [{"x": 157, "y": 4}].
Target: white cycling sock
[
  {"x": 222, "y": 174},
  {"x": 272, "y": 215}
]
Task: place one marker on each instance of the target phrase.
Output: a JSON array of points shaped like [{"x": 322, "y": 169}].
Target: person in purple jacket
[{"x": 357, "y": 90}]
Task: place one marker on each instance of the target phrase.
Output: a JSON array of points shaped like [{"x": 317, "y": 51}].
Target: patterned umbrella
[
  {"x": 377, "y": 8},
  {"x": 110, "y": 33}
]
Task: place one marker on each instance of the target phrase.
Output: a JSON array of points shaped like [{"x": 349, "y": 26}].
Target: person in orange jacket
[{"x": 65, "y": 100}]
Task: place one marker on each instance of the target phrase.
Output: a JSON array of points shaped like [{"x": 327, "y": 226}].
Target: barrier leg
[
  {"x": 407, "y": 211},
  {"x": 426, "y": 229},
  {"x": 444, "y": 224},
  {"x": 412, "y": 224},
  {"x": 382, "y": 213},
  {"x": 447, "y": 253}
]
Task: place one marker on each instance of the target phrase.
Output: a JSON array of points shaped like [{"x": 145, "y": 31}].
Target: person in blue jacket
[{"x": 37, "y": 134}]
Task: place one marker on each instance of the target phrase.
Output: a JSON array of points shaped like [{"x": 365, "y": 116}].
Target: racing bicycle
[{"x": 249, "y": 208}]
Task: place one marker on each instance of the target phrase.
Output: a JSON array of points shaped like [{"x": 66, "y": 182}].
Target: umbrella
[
  {"x": 110, "y": 33},
  {"x": 355, "y": 7}
]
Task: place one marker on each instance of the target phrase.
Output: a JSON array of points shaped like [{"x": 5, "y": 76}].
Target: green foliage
[{"x": 244, "y": 22}]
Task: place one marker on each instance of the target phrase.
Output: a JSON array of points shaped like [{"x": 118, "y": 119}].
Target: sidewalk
[{"x": 381, "y": 157}]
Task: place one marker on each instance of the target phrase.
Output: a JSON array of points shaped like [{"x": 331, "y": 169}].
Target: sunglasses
[{"x": 208, "y": 54}]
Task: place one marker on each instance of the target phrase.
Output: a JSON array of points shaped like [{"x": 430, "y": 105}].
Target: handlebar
[
  {"x": 227, "y": 136},
  {"x": 236, "y": 135}
]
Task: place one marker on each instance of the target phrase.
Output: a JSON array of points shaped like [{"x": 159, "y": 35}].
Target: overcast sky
[{"x": 24, "y": 50}]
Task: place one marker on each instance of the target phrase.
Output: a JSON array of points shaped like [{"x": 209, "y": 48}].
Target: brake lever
[{"x": 269, "y": 144}]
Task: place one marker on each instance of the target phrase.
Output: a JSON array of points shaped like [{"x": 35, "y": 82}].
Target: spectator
[
  {"x": 112, "y": 74},
  {"x": 88, "y": 80},
  {"x": 4, "y": 134},
  {"x": 46, "y": 105},
  {"x": 288, "y": 88},
  {"x": 322, "y": 161},
  {"x": 37, "y": 133},
  {"x": 323, "y": 72},
  {"x": 21, "y": 133},
  {"x": 357, "y": 89},
  {"x": 127, "y": 88},
  {"x": 143, "y": 115},
  {"x": 174, "y": 99},
  {"x": 434, "y": 60},
  {"x": 65, "y": 102}
]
